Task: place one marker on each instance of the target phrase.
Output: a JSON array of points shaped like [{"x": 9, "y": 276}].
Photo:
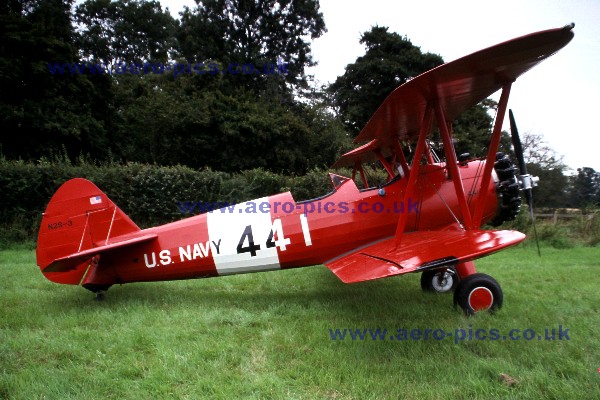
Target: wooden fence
[{"x": 562, "y": 214}]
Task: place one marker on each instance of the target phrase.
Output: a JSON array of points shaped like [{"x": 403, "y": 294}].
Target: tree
[
  {"x": 472, "y": 130},
  {"x": 390, "y": 60},
  {"x": 253, "y": 31},
  {"x": 127, "y": 31},
  {"x": 553, "y": 186},
  {"x": 167, "y": 121},
  {"x": 42, "y": 113},
  {"x": 543, "y": 161},
  {"x": 585, "y": 188},
  {"x": 537, "y": 151},
  {"x": 217, "y": 121},
  {"x": 245, "y": 132}
]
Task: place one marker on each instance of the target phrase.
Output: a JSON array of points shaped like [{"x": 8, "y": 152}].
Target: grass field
[{"x": 267, "y": 335}]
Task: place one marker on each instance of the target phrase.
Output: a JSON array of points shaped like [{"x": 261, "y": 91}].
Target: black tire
[
  {"x": 478, "y": 292},
  {"x": 441, "y": 280}
]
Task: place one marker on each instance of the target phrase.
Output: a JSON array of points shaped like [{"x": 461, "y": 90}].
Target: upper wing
[
  {"x": 419, "y": 251},
  {"x": 457, "y": 86}
]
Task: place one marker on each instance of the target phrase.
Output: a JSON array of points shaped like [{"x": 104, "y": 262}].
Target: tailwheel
[
  {"x": 478, "y": 292},
  {"x": 441, "y": 280},
  {"x": 98, "y": 290}
]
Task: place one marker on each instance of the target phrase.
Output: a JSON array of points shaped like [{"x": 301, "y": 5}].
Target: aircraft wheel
[
  {"x": 478, "y": 292},
  {"x": 439, "y": 280}
]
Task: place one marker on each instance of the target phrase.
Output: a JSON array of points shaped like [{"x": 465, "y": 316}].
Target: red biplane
[{"x": 427, "y": 218}]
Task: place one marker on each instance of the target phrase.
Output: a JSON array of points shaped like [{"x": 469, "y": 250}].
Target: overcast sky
[{"x": 556, "y": 99}]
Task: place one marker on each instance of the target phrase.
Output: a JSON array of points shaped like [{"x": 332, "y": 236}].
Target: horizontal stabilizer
[
  {"x": 419, "y": 251},
  {"x": 71, "y": 261}
]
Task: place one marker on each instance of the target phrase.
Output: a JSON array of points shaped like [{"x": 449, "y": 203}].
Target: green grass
[{"x": 266, "y": 335}]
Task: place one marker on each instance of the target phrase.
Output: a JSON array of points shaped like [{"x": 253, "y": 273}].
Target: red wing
[
  {"x": 419, "y": 251},
  {"x": 361, "y": 155},
  {"x": 457, "y": 86}
]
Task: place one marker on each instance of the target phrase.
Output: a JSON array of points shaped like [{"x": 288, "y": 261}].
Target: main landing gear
[
  {"x": 473, "y": 291},
  {"x": 478, "y": 292}
]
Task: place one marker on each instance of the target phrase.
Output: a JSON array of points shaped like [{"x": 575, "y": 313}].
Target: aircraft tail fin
[{"x": 79, "y": 219}]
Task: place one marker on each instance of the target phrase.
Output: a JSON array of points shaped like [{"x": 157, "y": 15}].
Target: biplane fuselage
[
  {"x": 427, "y": 218},
  {"x": 269, "y": 233}
]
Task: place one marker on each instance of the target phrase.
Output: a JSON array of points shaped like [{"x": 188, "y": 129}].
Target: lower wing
[{"x": 419, "y": 251}]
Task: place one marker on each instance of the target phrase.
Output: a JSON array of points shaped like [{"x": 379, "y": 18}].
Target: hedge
[{"x": 149, "y": 194}]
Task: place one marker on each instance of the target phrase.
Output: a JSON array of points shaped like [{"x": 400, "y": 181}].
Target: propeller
[{"x": 526, "y": 181}]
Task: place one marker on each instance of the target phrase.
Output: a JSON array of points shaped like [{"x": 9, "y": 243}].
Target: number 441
[{"x": 276, "y": 237}]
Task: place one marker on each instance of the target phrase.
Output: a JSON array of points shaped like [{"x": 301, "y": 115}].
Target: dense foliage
[{"x": 124, "y": 81}]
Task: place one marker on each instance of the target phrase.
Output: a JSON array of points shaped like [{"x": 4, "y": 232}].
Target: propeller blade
[
  {"x": 516, "y": 141},
  {"x": 518, "y": 147}
]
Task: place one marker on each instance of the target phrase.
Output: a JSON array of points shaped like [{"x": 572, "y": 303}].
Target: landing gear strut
[{"x": 473, "y": 291}]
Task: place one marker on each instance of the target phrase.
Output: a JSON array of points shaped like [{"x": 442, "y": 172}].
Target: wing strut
[
  {"x": 386, "y": 165},
  {"x": 363, "y": 176},
  {"x": 400, "y": 155},
  {"x": 452, "y": 165},
  {"x": 414, "y": 170},
  {"x": 491, "y": 156}
]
